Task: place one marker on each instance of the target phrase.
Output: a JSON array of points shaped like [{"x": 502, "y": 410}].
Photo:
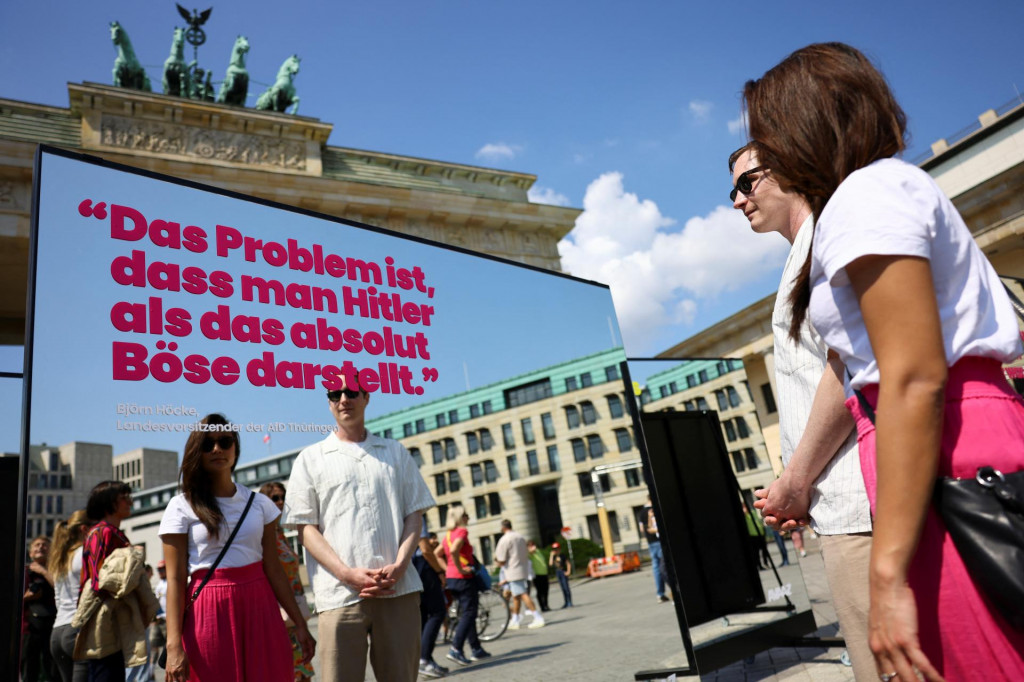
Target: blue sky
[{"x": 625, "y": 109}]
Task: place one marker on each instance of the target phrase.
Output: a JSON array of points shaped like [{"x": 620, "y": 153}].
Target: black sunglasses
[
  {"x": 224, "y": 442},
  {"x": 744, "y": 184},
  {"x": 335, "y": 396},
  {"x": 277, "y": 498}
]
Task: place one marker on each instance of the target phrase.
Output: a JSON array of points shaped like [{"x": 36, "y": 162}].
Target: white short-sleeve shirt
[
  {"x": 358, "y": 495},
  {"x": 246, "y": 548},
  {"x": 894, "y": 208}
]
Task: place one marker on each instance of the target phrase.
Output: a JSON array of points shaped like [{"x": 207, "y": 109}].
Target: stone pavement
[{"x": 617, "y": 628}]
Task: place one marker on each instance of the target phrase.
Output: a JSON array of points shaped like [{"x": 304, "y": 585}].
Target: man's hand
[
  {"x": 393, "y": 572},
  {"x": 368, "y": 582},
  {"x": 784, "y": 504}
]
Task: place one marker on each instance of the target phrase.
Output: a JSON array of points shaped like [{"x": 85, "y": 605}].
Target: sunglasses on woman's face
[
  {"x": 744, "y": 183},
  {"x": 224, "y": 442},
  {"x": 277, "y": 497},
  {"x": 335, "y": 396}
]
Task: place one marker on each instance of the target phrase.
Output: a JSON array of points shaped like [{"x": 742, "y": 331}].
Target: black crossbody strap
[{"x": 224, "y": 549}]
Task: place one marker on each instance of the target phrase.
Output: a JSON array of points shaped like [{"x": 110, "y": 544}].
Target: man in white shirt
[
  {"x": 512, "y": 555},
  {"x": 822, "y": 483},
  {"x": 357, "y": 501}
]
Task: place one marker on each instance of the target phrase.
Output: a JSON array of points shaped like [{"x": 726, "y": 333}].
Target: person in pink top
[{"x": 460, "y": 579}]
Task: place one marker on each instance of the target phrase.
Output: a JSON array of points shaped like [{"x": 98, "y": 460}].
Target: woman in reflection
[
  {"x": 66, "y": 568},
  {"x": 461, "y": 582},
  {"x": 897, "y": 286},
  {"x": 290, "y": 562},
  {"x": 111, "y": 503},
  {"x": 233, "y": 631}
]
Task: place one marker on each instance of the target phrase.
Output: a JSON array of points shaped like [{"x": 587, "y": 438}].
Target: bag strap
[{"x": 223, "y": 550}]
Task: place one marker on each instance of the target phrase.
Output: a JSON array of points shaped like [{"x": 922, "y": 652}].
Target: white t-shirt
[
  {"x": 66, "y": 589},
  {"x": 893, "y": 208},
  {"x": 246, "y": 548}
]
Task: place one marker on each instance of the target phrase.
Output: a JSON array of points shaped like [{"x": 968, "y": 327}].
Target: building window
[
  {"x": 572, "y": 416},
  {"x": 442, "y": 515},
  {"x": 439, "y": 484},
  {"x": 486, "y": 406},
  {"x": 513, "y": 468},
  {"x": 416, "y": 457},
  {"x": 741, "y": 426},
  {"x": 730, "y": 431},
  {"x": 570, "y": 384},
  {"x": 421, "y": 426},
  {"x": 579, "y": 451},
  {"x": 494, "y": 502},
  {"x": 553, "y": 463},
  {"x": 406, "y": 430},
  {"x": 472, "y": 443},
  {"x": 548, "y": 425},
  {"x": 531, "y": 462},
  {"x": 611, "y": 373},
  {"x": 702, "y": 376},
  {"x": 673, "y": 387},
  {"x": 737, "y": 461},
  {"x": 632, "y": 478},
  {"x": 723, "y": 405},
  {"x": 691, "y": 381},
  {"x": 387, "y": 433},
  {"x": 586, "y": 380},
  {"x": 769, "y": 398},
  {"x": 690, "y": 406},
  {"x": 589, "y": 413},
  {"x": 527, "y": 425},
  {"x": 720, "y": 367},
  {"x": 663, "y": 391},
  {"x": 474, "y": 411},
  {"x": 625, "y": 442},
  {"x": 454, "y": 482},
  {"x": 449, "y": 449},
  {"x": 490, "y": 471},
  {"x": 586, "y": 485},
  {"x": 486, "y": 442},
  {"x": 481, "y": 506},
  {"x": 595, "y": 446},
  {"x": 476, "y": 474},
  {"x": 60, "y": 503},
  {"x": 594, "y": 526},
  {"x": 442, "y": 420},
  {"x": 486, "y": 553},
  {"x": 453, "y": 416},
  {"x": 510, "y": 438},
  {"x": 734, "y": 396},
  {"x": 528, "y": 393},
  {"x": 752, "y": 461},
  {"x": 702, "y": 404},
  {"x": 614, "y": 406},
  {"x": 436, "y": 453}
]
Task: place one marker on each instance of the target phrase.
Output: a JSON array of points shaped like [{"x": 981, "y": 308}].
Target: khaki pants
[
  {"x": 393, "y": 626},
  {"x": 846, "y": 567}
]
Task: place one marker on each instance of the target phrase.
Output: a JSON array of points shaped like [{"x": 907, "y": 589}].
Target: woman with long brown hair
[
  {"x": 65, "y": 566},
  {"x": 233, "y": 630},
  {"x": 896, "y": 285}
]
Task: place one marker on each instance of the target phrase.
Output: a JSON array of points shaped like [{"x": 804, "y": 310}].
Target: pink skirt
[
  {"x": 234, "y": 631},
  {"x": 984, "y": 425}
]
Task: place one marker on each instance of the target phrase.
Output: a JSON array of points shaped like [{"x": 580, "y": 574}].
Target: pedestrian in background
[
  {"x": 65, "y": 566},
  {"x": 40, "y": 611},
  {"x": 649, "y": 527},
  {"x": 563, "y": 569},
  {"x": 461, "y": 581},
  {"x": 540, "y": 574}
]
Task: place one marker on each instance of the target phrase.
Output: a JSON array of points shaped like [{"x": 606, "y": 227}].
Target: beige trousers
[
  {"x": 846, "y": 568},
  {"x": 393, "y": 626}
]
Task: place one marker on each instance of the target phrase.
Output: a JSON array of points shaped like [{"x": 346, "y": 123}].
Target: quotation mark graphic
[
  {"x": 429, "y": 374},
  {"x": 86, "y": 209}
]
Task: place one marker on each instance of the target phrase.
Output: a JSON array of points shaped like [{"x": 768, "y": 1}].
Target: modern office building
[{"x": 144, "y": 468}]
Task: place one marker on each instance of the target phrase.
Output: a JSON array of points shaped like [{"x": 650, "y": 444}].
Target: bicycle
[{"x": 492, "y": 617}]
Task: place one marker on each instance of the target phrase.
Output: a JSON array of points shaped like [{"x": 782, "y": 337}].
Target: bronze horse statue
[
  {"x": 128, "y": 73},
  {"x": 235, "y": 87},
  {"x": 281, "y": 94},
  {"x": 177, "y": 80}
]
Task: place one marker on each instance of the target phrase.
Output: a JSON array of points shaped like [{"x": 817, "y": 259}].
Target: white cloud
[
  {"x": 658, "y": 275},
  {"x": 498, "y": 151},
  {"x": 738, "y": 125},
  {"x": 701, "y": 110},
  {"x": 546, "y": 195}
]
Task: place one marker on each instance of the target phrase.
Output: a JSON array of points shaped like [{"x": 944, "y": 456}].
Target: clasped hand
[
  {"x": 373, "y": 582},
  {"x": 783, "y": 506}
]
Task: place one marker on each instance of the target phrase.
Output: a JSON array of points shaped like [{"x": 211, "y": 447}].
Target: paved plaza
[{"x": 618, "y": 628}]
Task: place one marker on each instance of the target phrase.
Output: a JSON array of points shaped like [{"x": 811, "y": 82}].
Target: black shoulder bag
[
  {"x": 985, "y": 517},
  {"x": 162, "y": 661}
]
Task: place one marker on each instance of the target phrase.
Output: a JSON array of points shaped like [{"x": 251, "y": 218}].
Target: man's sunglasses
[
  {"x": 335, "y": 396},
  {"x": 744, "y": 184},
  {"x": 277, "y": 497},
  {"x": 224, "y": 442}
]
